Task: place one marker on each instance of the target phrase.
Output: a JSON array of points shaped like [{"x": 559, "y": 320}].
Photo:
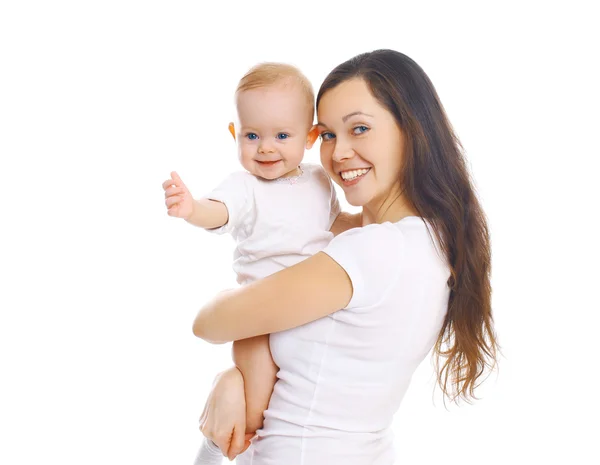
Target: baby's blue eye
[
  {"x": 282, "y": 136},
  {"x": 251, "y": 136},
  {"x": 326, "y": 136},
  {"x": 359, "y": 130}
]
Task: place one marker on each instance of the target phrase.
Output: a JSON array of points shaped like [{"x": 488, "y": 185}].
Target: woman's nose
[{"x": 342, "y": 153}]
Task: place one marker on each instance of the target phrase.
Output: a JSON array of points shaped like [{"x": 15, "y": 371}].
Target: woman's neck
[{"x": 391, "y": 209}]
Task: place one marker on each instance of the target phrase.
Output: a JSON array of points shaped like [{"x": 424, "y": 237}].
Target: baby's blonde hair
[{"x": 270, "y": 73}]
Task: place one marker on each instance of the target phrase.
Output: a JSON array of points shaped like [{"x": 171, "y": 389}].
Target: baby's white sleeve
[
  {"x": 372, "y": 256},
  {"x": 235, "y": 192}
]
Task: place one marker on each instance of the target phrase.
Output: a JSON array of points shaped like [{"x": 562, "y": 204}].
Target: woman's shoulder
[
  {"x": 378, "y": 257},
  {"x": 371, "y": 246},
  {"x": 381, "y": 242},
  {"x": 371, "y": 256},
  {"x": 382, "y": 231}
]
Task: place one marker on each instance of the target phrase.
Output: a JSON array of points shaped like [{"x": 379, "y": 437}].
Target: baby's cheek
[{"x": 247, "y": 163}]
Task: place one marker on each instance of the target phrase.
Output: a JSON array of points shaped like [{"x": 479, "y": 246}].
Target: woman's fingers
[
  {"x": 223, "y": 442},
  {"x": 204, "y": 411},
  {"x": 238, "y": 440},
  {"x": 247, "y": 444},
  {"x": 225, "y": 412}
]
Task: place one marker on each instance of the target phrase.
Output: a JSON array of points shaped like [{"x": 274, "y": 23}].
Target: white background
[{"x": 99, "y": 101}]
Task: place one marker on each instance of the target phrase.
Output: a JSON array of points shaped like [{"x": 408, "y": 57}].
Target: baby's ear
[
  {"x": 312, "y": 137},
  {"x": 232, "y": 130}
]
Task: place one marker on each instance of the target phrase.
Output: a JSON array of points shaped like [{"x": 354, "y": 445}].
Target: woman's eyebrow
[
  {"x": 345, "y": 118},
  {"x": 354, "y": 113}
]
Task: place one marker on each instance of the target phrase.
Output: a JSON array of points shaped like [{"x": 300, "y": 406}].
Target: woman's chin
[{"x": 355, "y": 200}]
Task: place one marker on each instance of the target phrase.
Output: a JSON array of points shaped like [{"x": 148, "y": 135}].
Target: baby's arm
[
  {"x": 253, "y": 358},
  {"x": 204, "y": 213},
  {"x": 208, "y": 214}
]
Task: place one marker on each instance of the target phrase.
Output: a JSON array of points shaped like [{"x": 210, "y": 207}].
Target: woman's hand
[{"x": 224, "y": 417}]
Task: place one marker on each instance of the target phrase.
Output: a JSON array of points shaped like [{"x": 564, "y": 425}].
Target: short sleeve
[
  {"x": 236, "y": 193},
  {"x": 372, "y": 256}
]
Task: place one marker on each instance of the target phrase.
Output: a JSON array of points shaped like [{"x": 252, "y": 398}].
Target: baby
[{"x": 280, "y": 211}]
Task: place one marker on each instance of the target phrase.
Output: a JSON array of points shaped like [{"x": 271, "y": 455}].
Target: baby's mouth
[{"x": 268, "y": 163}]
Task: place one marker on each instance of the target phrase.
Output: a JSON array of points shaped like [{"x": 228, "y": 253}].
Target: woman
[{"x": 350, "y": 325}]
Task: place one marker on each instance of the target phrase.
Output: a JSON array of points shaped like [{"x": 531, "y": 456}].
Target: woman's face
[{"x": 361, "y": 143}]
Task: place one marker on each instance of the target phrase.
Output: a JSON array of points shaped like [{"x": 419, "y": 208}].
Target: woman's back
[{"x": 343, "y": 377}]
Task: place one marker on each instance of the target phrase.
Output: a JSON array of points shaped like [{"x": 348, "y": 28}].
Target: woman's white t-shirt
[{"x": 342, "y": 377}]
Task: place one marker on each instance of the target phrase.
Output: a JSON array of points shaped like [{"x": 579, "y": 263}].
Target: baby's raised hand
[{"x": 178, "y": 199}]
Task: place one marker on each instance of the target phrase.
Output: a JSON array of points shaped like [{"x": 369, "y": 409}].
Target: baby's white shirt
[{"x": 276, "y": 223}]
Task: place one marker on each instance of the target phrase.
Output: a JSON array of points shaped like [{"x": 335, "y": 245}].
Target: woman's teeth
[{"x": 350, "y": 175}]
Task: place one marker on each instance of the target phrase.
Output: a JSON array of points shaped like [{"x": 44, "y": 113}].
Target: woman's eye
[
  {"x": 282, "y": 136},
  {"x": 251, "y": 136},
  {"x": 325, "y": 136},
  {"x": 358, "y": 130}
]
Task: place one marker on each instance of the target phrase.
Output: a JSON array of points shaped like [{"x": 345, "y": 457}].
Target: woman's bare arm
[
  {"x": 307, "y": 291},
  {"x": 253, "y": 357}
]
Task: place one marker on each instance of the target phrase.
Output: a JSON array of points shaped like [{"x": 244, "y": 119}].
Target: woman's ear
[
  {"x": 232, "y": 130},
  {"x": 312, "y": 137}
]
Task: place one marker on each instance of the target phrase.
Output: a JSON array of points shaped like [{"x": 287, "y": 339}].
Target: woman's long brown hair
[{"x": 436, "y": 181}]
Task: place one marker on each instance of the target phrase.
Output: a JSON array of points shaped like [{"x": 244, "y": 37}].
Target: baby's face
[{"x": 272, "y": 130}]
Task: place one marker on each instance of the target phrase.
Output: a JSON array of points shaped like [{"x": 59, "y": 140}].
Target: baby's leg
[{"x": 253, "y": 358}]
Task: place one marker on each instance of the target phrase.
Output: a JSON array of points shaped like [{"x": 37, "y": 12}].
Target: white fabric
[
  {"x": 277, "y": 223},
  {"x": 209, "y": 454},
  {"x": 342, "y": 377}
]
